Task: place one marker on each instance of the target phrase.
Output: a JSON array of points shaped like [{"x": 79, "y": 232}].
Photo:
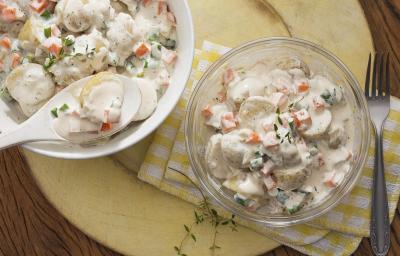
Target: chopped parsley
[
  {"x": 47, "y": 32},
  {"x": 54, "y": 112},
  {"x": 64, "y": 107},
  {"x": 48, "y": 62},
  {"x": 5, "y": 94},
  {"x": 154, "y": 37},
  {"x": 280, "y": 120},
  {"x": 46, "y": 14},
  {"x": 140, "y": 75},
  {"x": 146, "y": 64},
  {"x": 67, "y": 41},
  {"x": 159, "y": 47}
]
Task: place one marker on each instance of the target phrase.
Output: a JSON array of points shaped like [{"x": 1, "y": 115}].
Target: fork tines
[{"x": 381, "y": 64}]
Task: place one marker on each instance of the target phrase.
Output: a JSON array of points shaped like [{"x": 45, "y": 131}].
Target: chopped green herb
[
  {"x": 291, "y": 125},
  {"x": 278, "y": 111},
  {"x": 293, "y": 210},
  {"x": 154, "y": 37},
  {"x": 5, "y": 94},
  {"x": 67, "y": 41},
  {"x": 48, "y": 62},
  {"x": 146, "y": 64},
  {"x": 240, "y": 200},
  {"x": 46, "y": 14},
  {"x": 47, "y": 32},
  {"x": 54, "y": 112},
  {"x": 159, "y": 47},
  {"x": 280, "y": 120},
  {"x": 169, "y": 44},
  {"x": 140, "y": 75},
  {"x": 256, "y": 164},
  {"x": 275, "y": 127},
  {"x": 64, "y": 107}
]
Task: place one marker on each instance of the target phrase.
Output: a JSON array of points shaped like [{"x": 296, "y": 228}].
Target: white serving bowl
[{"x": 10, "y": 118}]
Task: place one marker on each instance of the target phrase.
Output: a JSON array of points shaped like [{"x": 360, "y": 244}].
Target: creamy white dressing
[{"x": 290, "y": 137}]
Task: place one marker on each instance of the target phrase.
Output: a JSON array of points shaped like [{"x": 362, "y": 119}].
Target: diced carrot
[
  {"x": 39, "y": 5},
  {"x": 321, "y": 161},
  {"x": 106, "y": 127},
  {"x": 106, "y": 118},
  {"x": 329, "y": 183},
  {"x": 168, "y": 56},
  {"x": 318, "y": 103},
  {"x": 302, "y": 117},
  {"x": 55, "y": 49},
  {"x": 55, "y": 31},
  {"x": 162, "y": 7},
  {"x": 141, "y": 51},
  {"x": 228, "y": 122},
  {"x": 269, "y": 182},
  {"x": 146, "y": 3},
  {"x": 270, "y": 140},
  {"x": 171, "y": 18},
  {"x": 221, "y": 96},
  {"x": 9, "y": 14},
  {"x": 268, "y": 167},
  {"x": 228, "y": 76},
  {"x": 16, "y": 60},
  {"x": 206, "y": 111},
  {"x": 5, "y": 42},
  {"x": 2, "y": 5},
  {"x": 254, "y": 138},
  {"x": 303, "y": 87},
  {"x": 278, "y": 98}
]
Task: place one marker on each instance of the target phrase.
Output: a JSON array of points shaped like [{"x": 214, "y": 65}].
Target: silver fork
[{"x": 378, "y": 99}]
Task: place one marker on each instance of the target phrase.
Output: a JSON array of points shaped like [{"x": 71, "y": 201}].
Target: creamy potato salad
[
  {"x": 45, "y": 45},
  {"x": 283, "y": 137}
]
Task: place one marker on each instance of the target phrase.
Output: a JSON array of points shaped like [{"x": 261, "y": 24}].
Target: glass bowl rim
[{"x": 339, "y": 193}]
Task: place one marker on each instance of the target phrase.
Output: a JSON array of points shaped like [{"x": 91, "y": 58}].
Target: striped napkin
[{"x": 338, "y": 232}]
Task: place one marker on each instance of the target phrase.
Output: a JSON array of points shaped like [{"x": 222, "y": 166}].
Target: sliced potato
[
  {"x": 321, "y": 120},
  {"x": 214, "y": 159},
  {"x": 95, "y": 81},
  {"x": 149, "y": 99},
  {"x": 234, "y": 149},
  {"x": 252, "y": 108},
  {"x": 292, "y": 178},
  {"x": 32, "y": 31}
]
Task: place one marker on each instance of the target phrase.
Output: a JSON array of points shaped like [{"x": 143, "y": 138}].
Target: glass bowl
[{"x": 319, "y": 61}]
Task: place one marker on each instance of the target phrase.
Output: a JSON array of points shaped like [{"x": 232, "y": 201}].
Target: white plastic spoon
[{"x": 39, "y": 127}]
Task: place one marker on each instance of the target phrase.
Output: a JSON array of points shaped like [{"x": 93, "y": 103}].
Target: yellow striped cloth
[{"x": 338, "y": 232}]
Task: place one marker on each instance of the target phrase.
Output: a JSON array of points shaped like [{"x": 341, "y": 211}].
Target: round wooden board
[{"x": 104, "y": 198}]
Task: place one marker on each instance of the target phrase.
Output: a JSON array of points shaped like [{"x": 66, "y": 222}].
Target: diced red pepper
[
  {"x": 162, "y": 7},
  {"x": 303, "y": 87},
  {"x": 5, "y": 42},
  {"x": 16, "y": 60},
  {"x": 39, "y": 5},
  {"x": 254, "y": 138},
  {"x": 141, "y": 51},
  {"x": 146, "y": 3},
  {"x": 106, "y": 127},
  {"x": 206, "y": 111},
  {"x": 9, "y": 14},
  {"x": 228, "y": 76}
]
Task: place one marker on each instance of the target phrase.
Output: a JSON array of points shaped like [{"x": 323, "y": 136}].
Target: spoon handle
[{"x": 34, "y": 129}]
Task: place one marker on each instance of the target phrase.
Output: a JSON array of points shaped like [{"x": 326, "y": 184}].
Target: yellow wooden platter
[{"x": 104, "y": 198}]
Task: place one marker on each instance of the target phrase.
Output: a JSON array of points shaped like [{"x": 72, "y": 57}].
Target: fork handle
[{"x": 380, "y": 225}]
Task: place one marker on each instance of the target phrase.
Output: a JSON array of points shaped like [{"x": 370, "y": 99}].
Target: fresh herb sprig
[{"x": 204, "y": 213}]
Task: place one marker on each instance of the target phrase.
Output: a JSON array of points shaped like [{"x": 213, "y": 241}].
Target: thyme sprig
[{"x": 204, "y": 213}]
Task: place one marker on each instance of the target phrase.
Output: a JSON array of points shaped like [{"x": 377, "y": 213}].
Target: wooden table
[{"x": 29, "y": 225}]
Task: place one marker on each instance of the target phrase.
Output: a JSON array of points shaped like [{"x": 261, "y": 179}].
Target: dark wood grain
[{"x": 29, "y": 225}]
